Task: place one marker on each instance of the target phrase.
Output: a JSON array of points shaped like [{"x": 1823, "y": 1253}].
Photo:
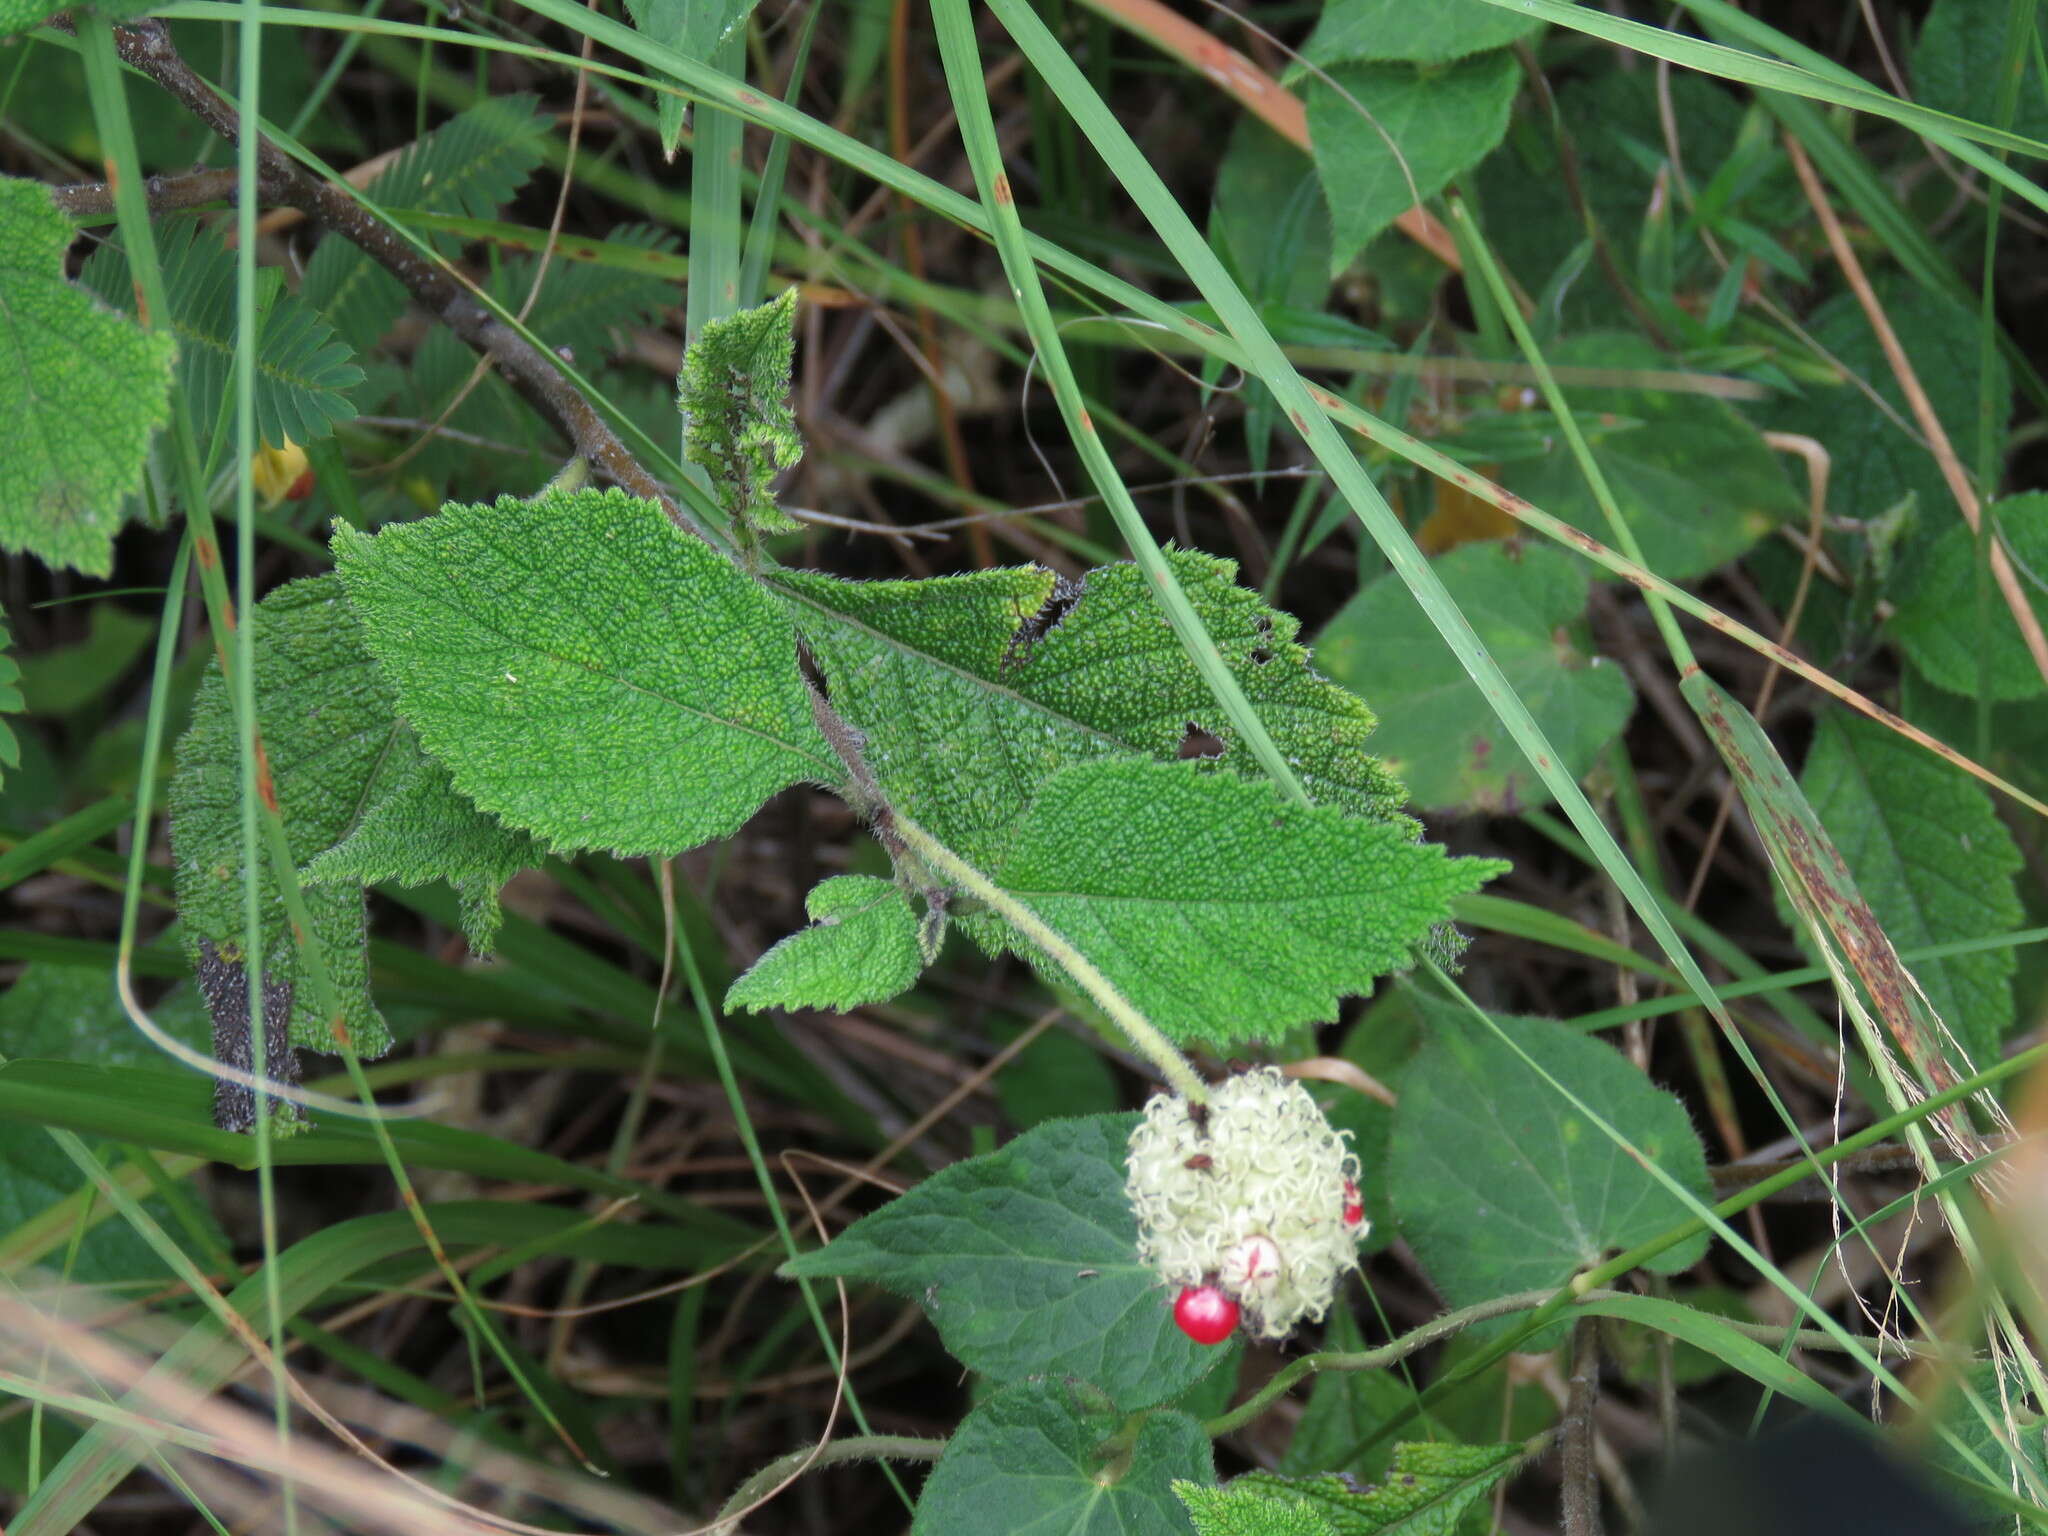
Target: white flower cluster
[{"x": 1256, "y": 1195}]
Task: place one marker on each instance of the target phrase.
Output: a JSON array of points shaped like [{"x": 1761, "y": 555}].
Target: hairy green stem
[
  {"x": 832, "y": 1453},
  {"x": 1143, "y": 1034},
  {"x": 1438, "y": 1328}
]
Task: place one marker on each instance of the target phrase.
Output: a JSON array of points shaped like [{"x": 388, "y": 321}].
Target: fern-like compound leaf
[
  {"x": 972, "y": 690},
  {"x": 1222, "y": 912},
  {"x": 587, "y": 671},
  {"x": 734, "y": 395},
  {"x": 303, "y": 372},
  {"x": 861, "y": 947},
  {"x": 470, "y": 165},
  {"x": 582, "y": 302},
  {"x": 82, "y": 391}
]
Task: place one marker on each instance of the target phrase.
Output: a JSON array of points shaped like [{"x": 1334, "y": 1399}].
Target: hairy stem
[
  {"x": 1142, "y": 1033},
  {"x": 1439, "y": 1328},
  {"x": 784, "y": 1469}
]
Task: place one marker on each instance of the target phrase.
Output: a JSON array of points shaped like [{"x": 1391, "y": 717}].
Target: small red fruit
[
  {"x": 1354, "y": 1208},
  {"x": 1205, "y": 1314}
]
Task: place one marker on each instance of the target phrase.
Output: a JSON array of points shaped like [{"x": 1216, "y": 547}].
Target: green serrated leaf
[
  {"x": 1695, "y": 480},
  {"x": 2019, "y": 732},
  {"x": 588, "y": 671},
  {"x": 1960, "y": 55},
  {"x": 1932, "y": 859},
  {"x": 694, "y": 28},
  {"x": 972, "y": 690},
  {"x": 734, "y": 396},
  {"x": 1047, "y": 1457},
  {"x": 1441, "y": 121},
  {"x": 321, "y": 708},
  {"x": 1427, "y": 1489},
  {"x": 1938, "y": 623},
  {"x": 1379, "y": 31},
  {"x": 415, "y": 827},
  {"x": 71, "y": 1013},
  {"x": 82, "y": 391},
  {"x": 1439, "y": 734},
  {"x": 1502, "y": 1186},
  {"x": 862, "y": 948},
  {"x": 1182, "y": 884},
  {"x": 1233, "y": 1510},
  {"x": 303, "y": 372},
  {"x": 1026, "y": 1260},
  {"x": 341, "y": 762},
  {"x": 1877, "y": 456},
  {"x": 470, "y": 165}
]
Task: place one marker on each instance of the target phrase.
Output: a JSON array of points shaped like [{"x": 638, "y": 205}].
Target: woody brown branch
[
  {"x": 146, "y": 46},
  {"x": 93, "y": 201}
]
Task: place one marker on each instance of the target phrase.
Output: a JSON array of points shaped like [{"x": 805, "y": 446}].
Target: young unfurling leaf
[{"x": 734, "y": 395}]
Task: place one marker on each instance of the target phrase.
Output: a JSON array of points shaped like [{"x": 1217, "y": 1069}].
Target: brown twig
[
  {"x": 147, "y": 47},
  {"x": 1579, "y": 1481},
  {"x": 93, "y": 201}
]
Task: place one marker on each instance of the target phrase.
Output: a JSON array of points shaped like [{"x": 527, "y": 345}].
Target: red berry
[
  {"x": 1354, "y": 1213},
  {"x": 301, "y": 487},
  {"x": 1205, "y": 1314}
]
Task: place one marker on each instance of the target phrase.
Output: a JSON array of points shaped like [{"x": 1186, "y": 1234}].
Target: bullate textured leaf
[
  {"x": 416, "y": 828},
  {"x": 1040, "y": 1457},
  {"x": 1425, "y": 1491},
  {"x": 1026, "y": 1260},
  {"x": 1236, "y": 1511},
  {"x": 734, "y": 395},
  {"x": 82, "y": 391},
  {"x": 1221, "y": 911},
  {"x": 326, "y": 722},
  {"x": 346, "y": 772},
  {"x": 587, "y": 671},
  {"x": 861, "y": 948},
  {"x": 973, "y": 690}
]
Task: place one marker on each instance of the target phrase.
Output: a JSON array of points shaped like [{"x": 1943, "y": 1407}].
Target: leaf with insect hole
[{"x": 971, "y": 691}]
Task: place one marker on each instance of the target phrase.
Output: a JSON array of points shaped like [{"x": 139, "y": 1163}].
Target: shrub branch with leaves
[{"x": 1132, "y": 785}]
